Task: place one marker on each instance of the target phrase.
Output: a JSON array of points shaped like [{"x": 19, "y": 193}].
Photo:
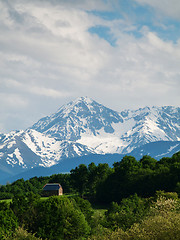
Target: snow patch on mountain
[
  {"x": 18, "y": 156},
  {"x": 102, "y": 145}
]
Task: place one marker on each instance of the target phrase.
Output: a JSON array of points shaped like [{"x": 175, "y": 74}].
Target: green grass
[
  {"x": 42, "y": 198},
  {"x": 100, "y": 209},
  {"x": 64, "y": 195}
]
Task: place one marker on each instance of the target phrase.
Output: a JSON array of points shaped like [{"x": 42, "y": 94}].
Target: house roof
[{"x": 51, "y": 186}]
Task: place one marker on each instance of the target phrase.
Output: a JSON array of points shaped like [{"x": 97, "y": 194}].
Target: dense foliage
[
  {"x": 105, "y": 184},
  {"x": 161, "y": 221},
  {"x": 137, "y": 199}
]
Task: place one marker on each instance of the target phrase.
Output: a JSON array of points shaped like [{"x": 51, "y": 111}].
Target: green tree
[
  {"x": 85, "y": 208},
  {"x": 79, "y": 178},
  {"x": 96, "y": 177},
  {"x": 57, "y": 218},
  {"x": 127, "y": 165},
  {"x": 23, "y": 207},
  {"x": 131, "y": 210},
  {"x": 148, "y": 162},
  {"x": 64, "y": 180},
  {"x": 8, "y": 221}
]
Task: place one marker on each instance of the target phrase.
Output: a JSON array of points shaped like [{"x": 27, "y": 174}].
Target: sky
[{"x": 124, "y": 54}]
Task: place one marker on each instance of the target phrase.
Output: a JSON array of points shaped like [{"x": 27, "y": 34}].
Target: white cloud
[
  {"x": 48, "y": 92},
  {"x": 47, "y": 57},
  {"x": 13, "y": 100},
  {"x": 34, "y": 89}
]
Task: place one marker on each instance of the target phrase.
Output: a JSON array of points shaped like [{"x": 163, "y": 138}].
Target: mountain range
[{"x": 86, "y": 128}]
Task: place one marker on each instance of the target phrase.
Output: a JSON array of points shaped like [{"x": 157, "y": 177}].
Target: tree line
[
  {"x": 127, "y": 177},
  {"x": 105, "y": 184}
]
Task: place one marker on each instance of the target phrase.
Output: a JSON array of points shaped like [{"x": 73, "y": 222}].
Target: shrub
[
  {"x": 21, "y": 234},
  {"x": 57, "y": 218},
  {"x": 8, "y": 223},
  {"x": 131, "y": 210},
  {"x": 157, "y": 228}
]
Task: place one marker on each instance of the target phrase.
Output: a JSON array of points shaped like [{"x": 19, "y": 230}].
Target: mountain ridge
[
  {"x": 139, "y": 125},
  {"x": 84, "y": 127},
  {"x": 66, "y": 165}
]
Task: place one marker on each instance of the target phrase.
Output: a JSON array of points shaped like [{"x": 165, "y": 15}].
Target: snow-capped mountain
[
  {"x": 106, "y": 131},
  {"x": 151, "y": 125},
  {"x": 84, "y": 127},
  {"x": 28, "y": 149},
  {"x": 83, "y": 115}
]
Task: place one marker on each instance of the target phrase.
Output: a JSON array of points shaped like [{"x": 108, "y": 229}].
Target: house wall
[
  {"x": 53, "y": 192},
  {"x": 61, "y": 191}
]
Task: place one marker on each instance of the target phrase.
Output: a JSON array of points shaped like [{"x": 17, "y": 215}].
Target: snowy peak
[
  {"x": 83, "y": 115},
  {"x": 77, "y": 104},
  {"x": 82, "y": 107}
]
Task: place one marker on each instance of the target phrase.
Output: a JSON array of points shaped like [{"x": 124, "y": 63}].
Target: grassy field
[{"x": 43, "y": 198}]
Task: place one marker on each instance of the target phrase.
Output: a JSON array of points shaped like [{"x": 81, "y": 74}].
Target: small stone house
[{"x": 51, "y": 189}]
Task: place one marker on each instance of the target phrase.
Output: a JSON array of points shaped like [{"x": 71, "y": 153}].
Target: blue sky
[
  {"x": 166, "y": 27},
  {"x": 122, "y": 53}
]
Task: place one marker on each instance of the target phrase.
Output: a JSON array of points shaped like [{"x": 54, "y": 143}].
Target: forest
[{"x": 131, "y": 200}]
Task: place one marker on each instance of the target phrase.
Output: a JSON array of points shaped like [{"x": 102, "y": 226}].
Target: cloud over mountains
[{"x": 125, "y": 55}]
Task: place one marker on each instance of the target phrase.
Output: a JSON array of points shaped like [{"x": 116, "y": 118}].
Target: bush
[
  {"x": 162, "y": 222},
  {"x": 158, "y": 227},
  {"x": 131, "y": 210},
  {"x": 21, "y": 234}
]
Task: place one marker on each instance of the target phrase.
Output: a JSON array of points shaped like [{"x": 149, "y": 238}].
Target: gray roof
[{"x": 52, "y": 186}]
